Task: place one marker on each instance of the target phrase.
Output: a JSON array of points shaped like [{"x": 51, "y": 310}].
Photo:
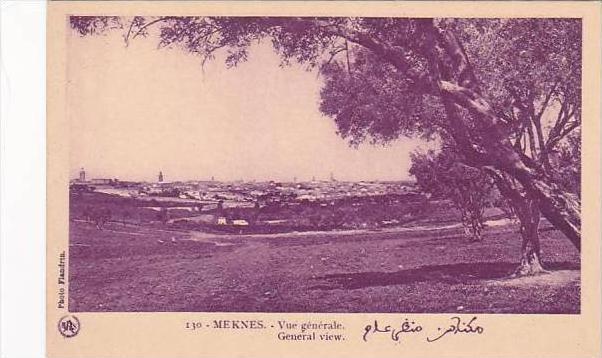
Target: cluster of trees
[
  {"x": 502, "y": 96},
  {"x": 444, "y": 176},
  {"x": 98, "y": 216},
  {"x": 336, "y": 214}
]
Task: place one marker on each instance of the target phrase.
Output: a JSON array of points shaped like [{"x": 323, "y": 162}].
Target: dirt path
[{"x": 202, "y": 236}]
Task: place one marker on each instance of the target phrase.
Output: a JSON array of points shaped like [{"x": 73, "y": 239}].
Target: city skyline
[{"x": 161, "y": 176}]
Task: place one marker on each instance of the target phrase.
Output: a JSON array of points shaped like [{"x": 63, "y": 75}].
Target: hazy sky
[{"x": 137, "y": 110}]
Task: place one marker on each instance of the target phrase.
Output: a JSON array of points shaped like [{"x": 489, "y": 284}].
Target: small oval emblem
[{"x": 69, "y": 326}]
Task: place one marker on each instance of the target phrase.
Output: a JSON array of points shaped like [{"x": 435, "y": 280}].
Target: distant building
[
  {"x": 82, "y": 175},
  {"x": 160, "y": 177}
]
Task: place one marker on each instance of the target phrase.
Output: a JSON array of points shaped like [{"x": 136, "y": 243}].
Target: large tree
[
  {"x": 505, "y": 92},
  {"x": 532, "y": 85}
]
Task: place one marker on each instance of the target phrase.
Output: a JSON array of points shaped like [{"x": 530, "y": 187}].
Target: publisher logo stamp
[{"x": 69, "y": 326}]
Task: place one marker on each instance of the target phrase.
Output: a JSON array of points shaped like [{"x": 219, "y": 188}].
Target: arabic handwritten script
[
  {"x": 405, "y": 327},
  {"x": 456, "y": 325}
]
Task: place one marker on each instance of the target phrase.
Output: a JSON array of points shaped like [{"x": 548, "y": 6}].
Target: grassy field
[{"x": 143, "y": 268}]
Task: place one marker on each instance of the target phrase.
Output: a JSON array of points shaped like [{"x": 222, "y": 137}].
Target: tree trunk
[
  {"x": 528, "y": 214},
  {"x": 530, "y": 262},
  {"x": 562, "y": 209}
]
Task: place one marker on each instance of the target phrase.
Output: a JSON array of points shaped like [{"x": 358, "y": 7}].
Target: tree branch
[
  {"x": 546, "y": 100},
  {"x": 144, "y": 27}
]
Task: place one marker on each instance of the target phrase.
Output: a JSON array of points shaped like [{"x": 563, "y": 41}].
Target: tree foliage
[{"x": 444, "y": 176}]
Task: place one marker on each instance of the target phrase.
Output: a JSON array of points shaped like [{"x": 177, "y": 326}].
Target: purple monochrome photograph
[{"x": 324, "y": 164}]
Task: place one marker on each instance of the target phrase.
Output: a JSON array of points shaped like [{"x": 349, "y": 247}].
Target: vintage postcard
[{"x": 334, "y": 179}]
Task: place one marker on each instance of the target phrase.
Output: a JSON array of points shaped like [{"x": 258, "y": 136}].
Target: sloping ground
[{"x": 128, "y": 268}]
